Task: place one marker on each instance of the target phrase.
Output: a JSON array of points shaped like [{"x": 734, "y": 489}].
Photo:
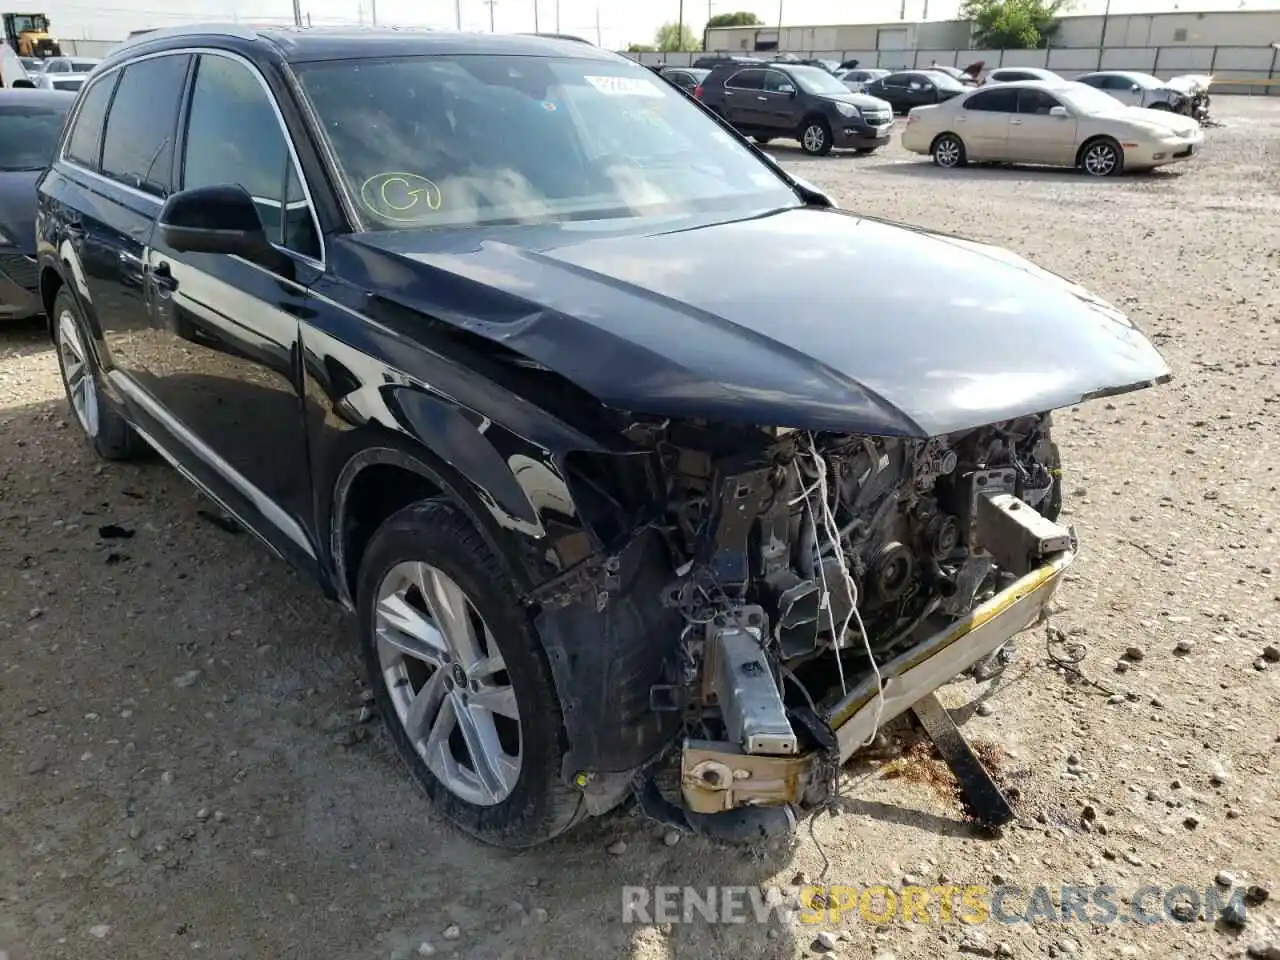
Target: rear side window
[
  {"x": 994, "y": 101},
  {"x": 138, "y": 146},
  {"x": 84, "y": 145},
  {"x": 747, "y": 80}
]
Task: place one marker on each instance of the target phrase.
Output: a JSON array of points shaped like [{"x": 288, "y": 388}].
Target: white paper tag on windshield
[{"x": 625, "y": 86}]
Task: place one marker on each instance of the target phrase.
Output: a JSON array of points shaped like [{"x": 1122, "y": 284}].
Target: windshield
[
  {"x": 68, "y": 84},
  {"x": 82, "y": 66},
  {"x": 28, "y": 135},
  {"x": 1088, "y": 99},
  {"x": 816, "y": 80},
  {"x": 479, "y": 139},
  {"x": 943, "y": 81}
]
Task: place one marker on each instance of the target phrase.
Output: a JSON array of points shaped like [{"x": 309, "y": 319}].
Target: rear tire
[
  {"x": 815, "y": 138},
  {"x": 459, "y": 690},
  {"x": 948, "y": 151},
  {"x": 101, "y": 421}
]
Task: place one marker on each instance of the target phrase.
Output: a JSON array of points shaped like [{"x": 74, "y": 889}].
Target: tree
[
  {"x": 641, "y": 48},
  {"x": 1013, "y": 24},
  {"x": 743, "y": 18},
  {"x": 670, "y": 37}
]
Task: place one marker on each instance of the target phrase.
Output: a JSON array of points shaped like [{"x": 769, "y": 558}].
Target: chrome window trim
[
  {"x": 97, "y": 77},
  {"x": 728, "y": 85}
]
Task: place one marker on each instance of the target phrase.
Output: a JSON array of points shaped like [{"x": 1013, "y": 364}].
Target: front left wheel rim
[
  {"x": 448, "y": 683},
  {"x": 1100, "y": 160},
  {"x": 76, "y": 374},
  {"x": 814, "y": 138}
]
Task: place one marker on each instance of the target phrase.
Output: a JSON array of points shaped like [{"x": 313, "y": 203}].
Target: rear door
[
  {"x": 744, "y": 98},
  {"x": 229, "y": 373},
  {"x": 984, "y": 122},
  {"x": 1037, "y": 137},
  {"x": 104, "y": 192}
]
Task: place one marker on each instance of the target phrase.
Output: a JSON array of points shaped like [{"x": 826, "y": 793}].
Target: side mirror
[
  {"x": 22, "y": 83},
  {"x": 1058, "y": 112},
  {"x": 1136, "y": 89},
  {"x": 788, "y": 89},
  {"x": 220, "y": 219}
]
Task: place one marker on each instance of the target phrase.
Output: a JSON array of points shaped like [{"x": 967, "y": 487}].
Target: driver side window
[{"x": 226, "y": 100}]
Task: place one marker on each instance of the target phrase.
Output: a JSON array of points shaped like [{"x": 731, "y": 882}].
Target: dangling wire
[{"x": 833, "y": 533}]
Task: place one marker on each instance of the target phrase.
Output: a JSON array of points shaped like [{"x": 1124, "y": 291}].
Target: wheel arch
[{"x": 383, "y": 471}]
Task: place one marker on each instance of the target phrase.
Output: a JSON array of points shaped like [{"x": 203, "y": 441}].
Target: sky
[{"x": 613, "y": 23}]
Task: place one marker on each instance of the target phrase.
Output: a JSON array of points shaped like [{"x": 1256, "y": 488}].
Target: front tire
[
  {"x": 461, "y": 679},
  {"x": 815, "y": 138},
  {"x": 1101, "y": 158},
  {"x": 103, "y": 425},
  {"x": 948, "y": 151}
]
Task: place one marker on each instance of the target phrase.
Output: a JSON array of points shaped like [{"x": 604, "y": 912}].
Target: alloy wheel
[
  {"x": 77, "y": 374},
  {"x": 448, "y": 683},
  {"x": 814, "y": 137},
  {"x": 1100, "y": 160},
  {"x": 947, "y": 152}
]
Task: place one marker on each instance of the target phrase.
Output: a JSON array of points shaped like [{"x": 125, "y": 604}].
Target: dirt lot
[{"x": 182, "y": 770}]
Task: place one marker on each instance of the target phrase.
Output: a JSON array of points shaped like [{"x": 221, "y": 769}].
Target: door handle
[
  {"x": 763, "y": 99},
  {"x": 163, "y": 276},
  {"x": 1015, "y": 123}
]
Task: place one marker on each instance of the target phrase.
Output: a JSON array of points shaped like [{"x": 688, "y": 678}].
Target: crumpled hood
[{"x": 806, "y": 318}]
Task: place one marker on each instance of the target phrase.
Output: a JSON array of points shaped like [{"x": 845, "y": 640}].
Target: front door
[
  {"x": 1124, "y": 90},
  {"x": 781, "y": 109},
  {"x": 1035, "y": 135},
  {"x": 230, "y": 374}
]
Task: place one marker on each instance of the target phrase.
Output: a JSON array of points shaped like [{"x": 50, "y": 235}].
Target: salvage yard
[{"x": 186, "y": 767}]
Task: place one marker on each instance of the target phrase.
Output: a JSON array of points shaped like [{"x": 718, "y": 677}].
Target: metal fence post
[{"x": 1155, "y": 68}]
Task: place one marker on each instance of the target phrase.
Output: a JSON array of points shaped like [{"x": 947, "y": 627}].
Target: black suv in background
[{"x": 789, "y": 100}]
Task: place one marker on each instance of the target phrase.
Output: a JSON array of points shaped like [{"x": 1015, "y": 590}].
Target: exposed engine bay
[{"x": 804, "y": 563}]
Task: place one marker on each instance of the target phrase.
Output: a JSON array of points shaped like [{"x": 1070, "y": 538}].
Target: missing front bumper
[{"x": 719, "y": 776}]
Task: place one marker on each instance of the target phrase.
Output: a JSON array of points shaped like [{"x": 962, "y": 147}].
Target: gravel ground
[{"x": 184, "y": 770}]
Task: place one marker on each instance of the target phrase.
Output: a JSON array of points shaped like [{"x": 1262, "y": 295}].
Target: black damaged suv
[
  {"x": 799, "y": 102},
  {"x": 602, "y": 426}
]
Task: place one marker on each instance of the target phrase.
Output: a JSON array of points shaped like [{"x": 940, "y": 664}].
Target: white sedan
[{"x": 1060, "y": 124}]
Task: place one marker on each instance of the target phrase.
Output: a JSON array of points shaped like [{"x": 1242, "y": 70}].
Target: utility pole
[
  {"x": 535, "y": 16},
  {"x": 297, "y": 13},
  {"x": 491, "y": 4},
  {"x": 373, "y": 11},
  {"x": 680, "y": 29},
  {"x": 557, "y": 16},
  {"x": 457, "y": 14},
  {"x": 599, "y": 43}
]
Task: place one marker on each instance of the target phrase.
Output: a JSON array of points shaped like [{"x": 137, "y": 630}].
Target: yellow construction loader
[{"x": 28, "y": 35}]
